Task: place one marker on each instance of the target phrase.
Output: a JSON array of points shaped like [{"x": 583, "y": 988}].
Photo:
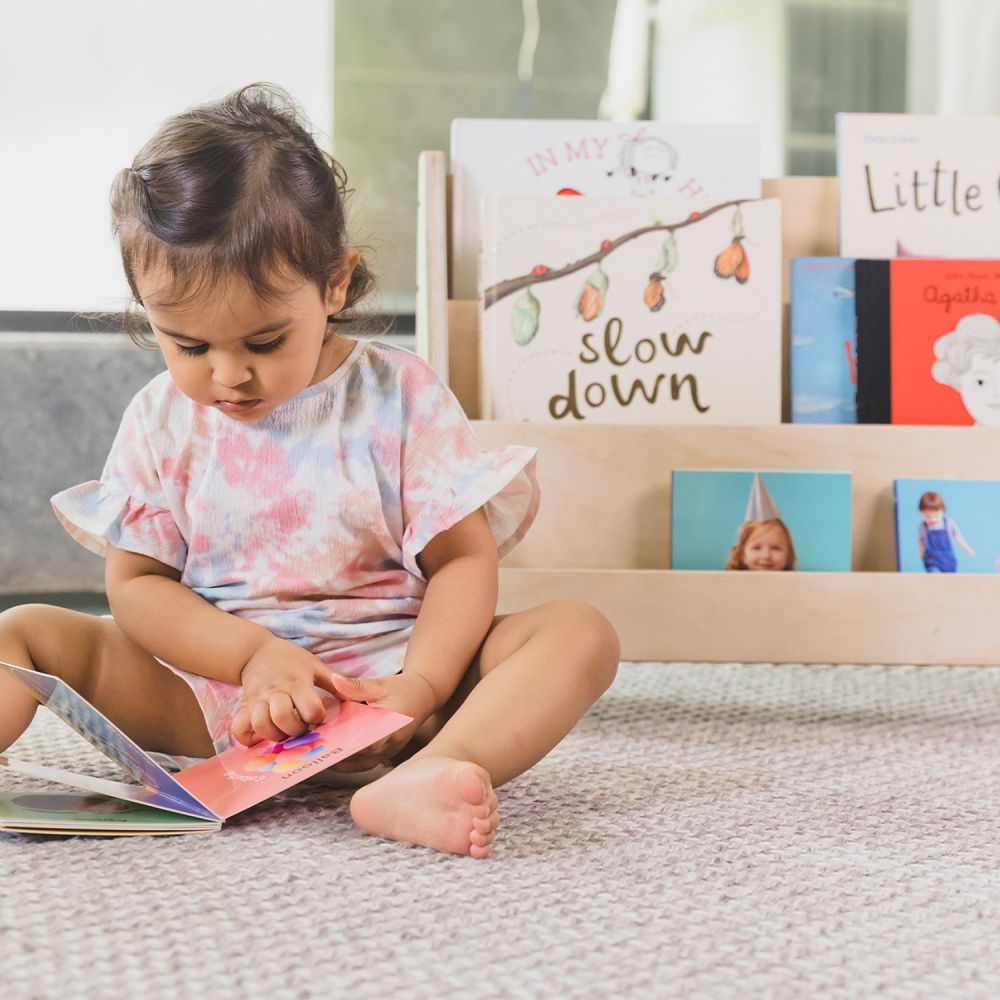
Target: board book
[
  {"x": 928, "y": 341},
  {"x": 631, "y": 310},
  {"x": 823, "y": 343},
  {"x": 592, "y": 158},
  {"x": 198, "y": 798},
  {"x": 918, "y": 185}
]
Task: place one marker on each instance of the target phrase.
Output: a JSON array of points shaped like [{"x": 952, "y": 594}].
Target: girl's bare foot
[{"x": 436, "y": 802}]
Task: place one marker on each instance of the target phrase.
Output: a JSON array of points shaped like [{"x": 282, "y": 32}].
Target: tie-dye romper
[{"x": 308, "y": 521}]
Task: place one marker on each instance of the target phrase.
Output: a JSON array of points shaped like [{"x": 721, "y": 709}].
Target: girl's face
[
  {"x": 767, "y": 549},
  {"x": 242, "y": 355}
]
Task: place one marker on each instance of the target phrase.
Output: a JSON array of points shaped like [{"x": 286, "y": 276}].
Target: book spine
[{"x": 871, "y": 303}]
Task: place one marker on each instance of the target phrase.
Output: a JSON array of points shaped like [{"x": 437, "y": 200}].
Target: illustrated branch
[{"x": 502, "y": 289}]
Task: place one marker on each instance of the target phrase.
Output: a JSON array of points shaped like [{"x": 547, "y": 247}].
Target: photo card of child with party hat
[
  {"x": 947, "y": 525},
  {"x": 760, "y": 520},
  {"x": 210, "y": 791}
]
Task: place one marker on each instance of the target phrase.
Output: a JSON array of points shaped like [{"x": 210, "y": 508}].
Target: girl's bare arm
[
  {"x": 461, "y": 565},
  {"x": 156, "y": 611}
]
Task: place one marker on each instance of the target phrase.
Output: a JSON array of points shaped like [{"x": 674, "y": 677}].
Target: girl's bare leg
[
  {"x": 537, "y": 672},
  {"x": 140, "y": 696}
]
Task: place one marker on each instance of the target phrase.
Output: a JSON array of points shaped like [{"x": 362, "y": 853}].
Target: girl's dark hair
[{"x": 237, "y": 187}]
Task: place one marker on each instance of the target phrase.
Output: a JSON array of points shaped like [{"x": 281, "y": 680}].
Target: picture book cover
[
  {"x": 591, "y": 158},
  {"x": 918, "y": 185},
  {"x": 639, "y": 310},
  {"x": 823, "y": 343},
  {"x": 760, "y": 520},
  {"x": 928, "y": 341},
  {"x": 70, "y": 813},
  {"x": 216, "y": 788},
  {"x": 947, "y": 525}
]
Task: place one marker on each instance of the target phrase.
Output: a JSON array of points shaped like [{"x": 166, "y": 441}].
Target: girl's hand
[
  {"x": 408, "y": 693},
  {"x": 279, "y": 693}
]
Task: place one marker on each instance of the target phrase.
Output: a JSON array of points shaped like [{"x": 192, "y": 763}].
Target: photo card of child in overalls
[
  {"x": 764, "y": 521},
  {"x": 947, "y": 525}
]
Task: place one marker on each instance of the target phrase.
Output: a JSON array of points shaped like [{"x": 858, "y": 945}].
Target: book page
[{"x": 243, "y": 776}]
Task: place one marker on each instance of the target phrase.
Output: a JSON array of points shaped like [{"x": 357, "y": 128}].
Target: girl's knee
[
  {"x": 590, "y": 633},
  {"x": 25, "y": 621},
  {"x": 53, "y": 640}
]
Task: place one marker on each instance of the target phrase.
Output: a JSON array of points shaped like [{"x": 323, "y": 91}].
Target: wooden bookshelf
[{"x": 602, "y": 534}]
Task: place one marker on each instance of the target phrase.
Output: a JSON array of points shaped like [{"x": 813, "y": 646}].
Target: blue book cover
[
  {"x": 823, "y": 341},
  {"x": 746, "y": 520},
  {"x": 947, "y": 525}
]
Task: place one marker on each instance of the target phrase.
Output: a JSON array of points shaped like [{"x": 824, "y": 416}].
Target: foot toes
[
  {"x": 472, "y": 787},
  {"x": 476, "y": 851},
  {"x": 481, "y": 838}
]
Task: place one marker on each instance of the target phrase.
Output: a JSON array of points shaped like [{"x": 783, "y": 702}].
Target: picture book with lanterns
[
  {"x": 822, "y": 359},
  {"x": 918, "y": 185},
  {"x": 196, "y": 799},
  {"x": 928, "y": 341},
  {"x": 591, "y": 158},
  {"x": 947, "y": 525},
  {"x": 760, "y": 520},
  {"x": 638, "y": 310}
]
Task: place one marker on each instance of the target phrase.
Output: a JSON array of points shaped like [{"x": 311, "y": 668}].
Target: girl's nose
[{"x": 231, "y": 372}]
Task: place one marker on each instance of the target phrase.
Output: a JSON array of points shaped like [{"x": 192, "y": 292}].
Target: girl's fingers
[
  {"x": 310, "y": 706},
  {"x": 284, "y": 715},
  {"x": 326, "y": 679},
  {"x": 263, "y": 727},
  {"x": 355, "y": 688},
  {"x": 242, "y": 728}
]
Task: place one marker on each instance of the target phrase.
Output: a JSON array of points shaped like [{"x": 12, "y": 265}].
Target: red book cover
[{"x": 943, "y": 340}]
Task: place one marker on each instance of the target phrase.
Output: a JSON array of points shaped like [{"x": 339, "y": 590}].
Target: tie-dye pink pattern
[{"x": 310, "y": 520}]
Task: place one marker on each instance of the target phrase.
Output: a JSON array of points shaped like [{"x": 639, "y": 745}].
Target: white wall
[
  {"x": 84, "y": 85},
  {"x": 723, "y": 61}
]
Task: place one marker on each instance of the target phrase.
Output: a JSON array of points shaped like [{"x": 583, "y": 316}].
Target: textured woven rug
[{"x": 706, "y": 831}]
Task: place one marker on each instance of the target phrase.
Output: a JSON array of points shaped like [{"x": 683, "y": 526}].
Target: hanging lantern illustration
[
  {"x": 591, "y": 300},
  {"x": 733, "y": 261},
  {"x": 654, "y": 296},
  {"x": 525, "y": 318},
  {"x": 668, "y": 255}
]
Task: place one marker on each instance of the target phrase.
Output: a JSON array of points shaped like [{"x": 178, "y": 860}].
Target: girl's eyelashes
[{"x": 271, "y": 345}]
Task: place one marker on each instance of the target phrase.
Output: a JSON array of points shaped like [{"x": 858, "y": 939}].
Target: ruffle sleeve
[
  {"x": 446, "y": 475},
  {"x": 127, "y": 507}
]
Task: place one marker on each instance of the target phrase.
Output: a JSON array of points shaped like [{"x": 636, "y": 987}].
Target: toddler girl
[
  {"x": 287, "y": 512},
  {"x": 763, "y": 545}
]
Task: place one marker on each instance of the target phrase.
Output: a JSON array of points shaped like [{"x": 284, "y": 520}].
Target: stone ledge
[{"x": 61, "y": 397}]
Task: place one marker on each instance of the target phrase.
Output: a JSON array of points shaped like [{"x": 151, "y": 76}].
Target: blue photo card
[
  {"x": 760, "y": 520},
  {"x": 823, "y": 341},
  {"x": 947, "y": 525}
]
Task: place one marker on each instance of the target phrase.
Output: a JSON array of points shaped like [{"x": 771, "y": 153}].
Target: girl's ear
[{"x": 340, "y": 280}]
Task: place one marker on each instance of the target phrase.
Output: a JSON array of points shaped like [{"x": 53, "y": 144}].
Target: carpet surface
[{"x": 706, "y": 831}]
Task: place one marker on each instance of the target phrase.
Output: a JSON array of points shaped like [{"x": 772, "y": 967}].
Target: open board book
[{"x": 195, "y": 800}]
